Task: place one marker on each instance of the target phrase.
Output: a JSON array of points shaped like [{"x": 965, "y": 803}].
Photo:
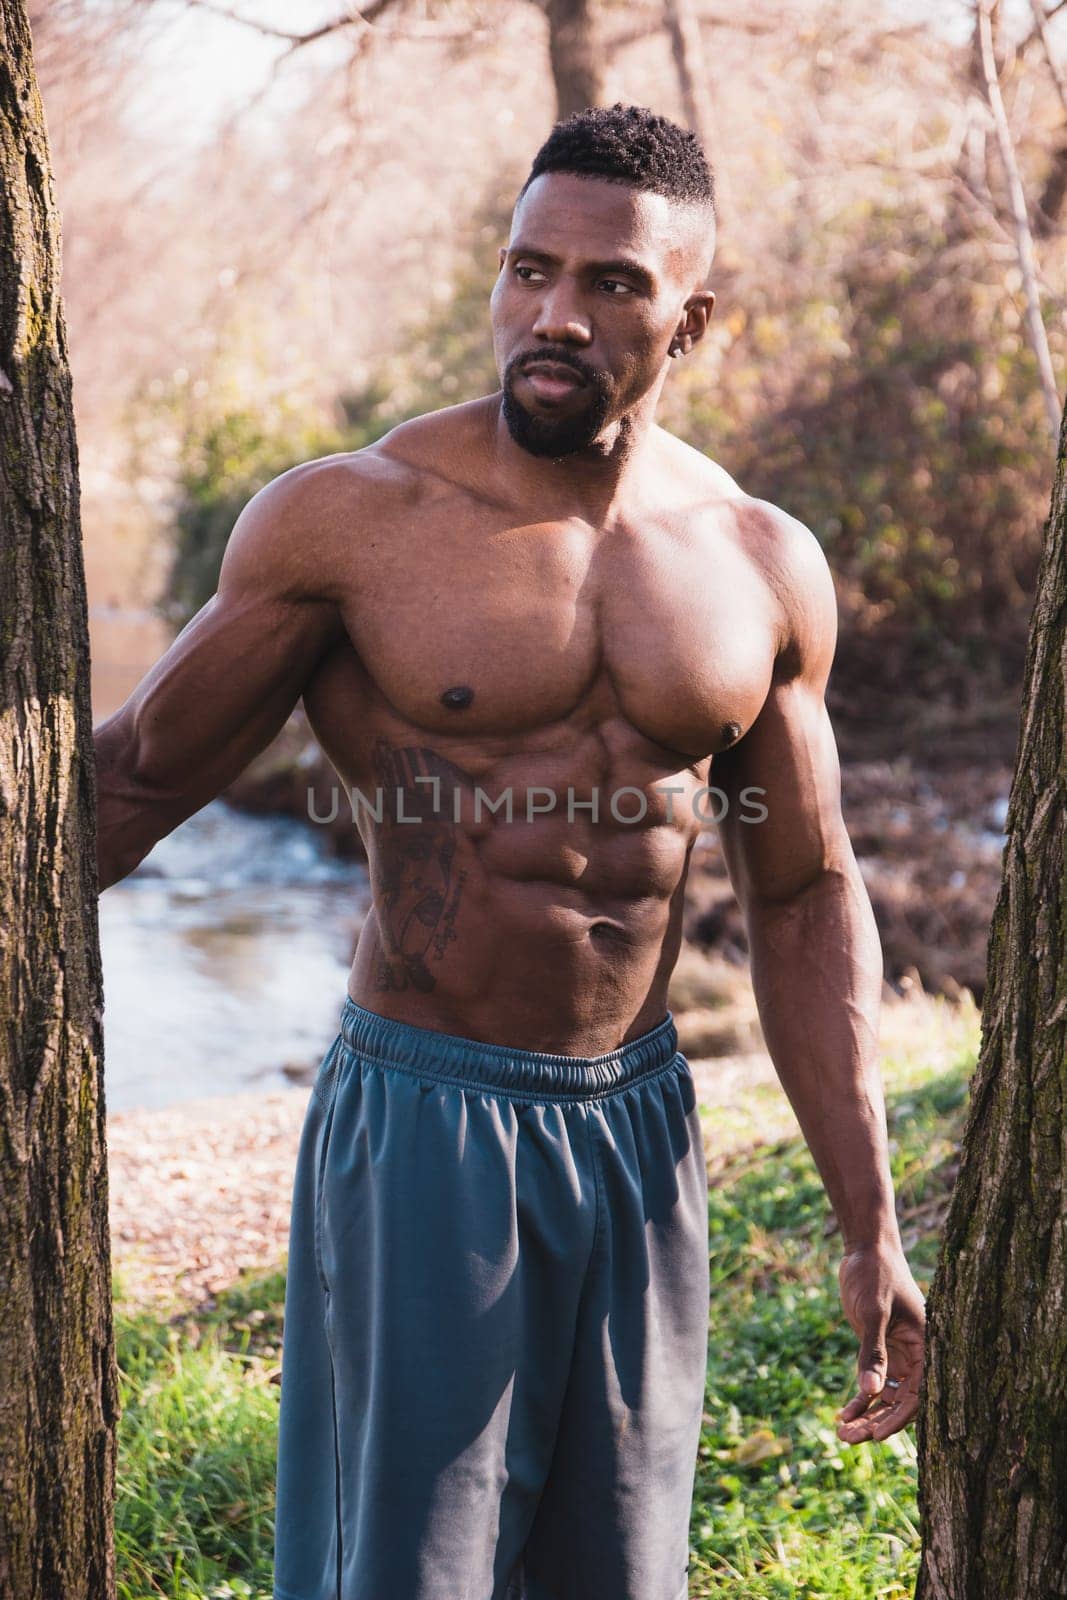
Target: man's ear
[
  {"x": 503, "y": 256},
  {"x": 696, "y": 313}
]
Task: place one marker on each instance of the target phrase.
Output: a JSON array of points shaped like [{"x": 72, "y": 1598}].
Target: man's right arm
[{"x": 229, "y": 681}]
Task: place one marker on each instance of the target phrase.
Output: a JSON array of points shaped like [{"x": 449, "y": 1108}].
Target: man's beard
[{"x": 561, "y": 436}]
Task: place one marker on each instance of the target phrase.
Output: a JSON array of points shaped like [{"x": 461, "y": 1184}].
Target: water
[{"x": 225, "y": 959}]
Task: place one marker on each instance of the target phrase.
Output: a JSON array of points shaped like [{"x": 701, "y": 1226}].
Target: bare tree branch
[
  {"x": 1041, "y": 29},
  {"x": 1046, "y": 16},
  {"x": 366, "y": 17},
  {"x": 1024, "y": 242}
]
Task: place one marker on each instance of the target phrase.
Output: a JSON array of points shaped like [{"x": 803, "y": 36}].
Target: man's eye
[
  {"x": 616, "y": 285},
  {"x": 527, "y": 274}
]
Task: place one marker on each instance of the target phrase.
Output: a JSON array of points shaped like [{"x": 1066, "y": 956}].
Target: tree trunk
[
  {"x": 690, "y": 65},
  {"x": 58, "y": 1395},
  {"x": 687, "y": 48},
  {"x": 575, "y": 55},
  {"x": 993, "y": 1424}
]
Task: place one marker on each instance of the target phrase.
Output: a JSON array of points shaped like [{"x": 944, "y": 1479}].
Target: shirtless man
[{"x": 525, "y": 629}]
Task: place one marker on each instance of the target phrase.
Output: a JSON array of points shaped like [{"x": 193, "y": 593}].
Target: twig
[
  {"x": 366, "y": 17},
  {"x": 1041, "y": 29},
  {"x": 1046, "y": 16},
  {"x": 1024, "y": 241}
]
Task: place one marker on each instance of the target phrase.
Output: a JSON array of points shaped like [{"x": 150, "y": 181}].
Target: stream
[{"x": 225, "y": 959}]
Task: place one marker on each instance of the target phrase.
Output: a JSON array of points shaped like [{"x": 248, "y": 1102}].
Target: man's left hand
[{"x": 882, "y": 1302}]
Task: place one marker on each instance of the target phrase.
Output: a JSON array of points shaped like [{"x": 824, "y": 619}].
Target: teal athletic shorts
[{"x": 496, "y": 1322}]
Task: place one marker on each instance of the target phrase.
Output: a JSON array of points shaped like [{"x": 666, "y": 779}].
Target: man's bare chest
[{"x": 490, "y": 632}]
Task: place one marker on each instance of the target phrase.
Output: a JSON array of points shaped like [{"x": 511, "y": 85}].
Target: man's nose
[{"x": 560, "y": 318}]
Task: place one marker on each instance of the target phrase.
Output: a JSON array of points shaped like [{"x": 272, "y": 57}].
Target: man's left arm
[{"x": 817, "y": 976}]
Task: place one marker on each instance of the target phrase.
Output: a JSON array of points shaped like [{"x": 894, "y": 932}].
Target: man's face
[{"x": 593, "y": 284}]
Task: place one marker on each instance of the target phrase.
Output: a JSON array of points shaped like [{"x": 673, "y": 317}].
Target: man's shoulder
[
  {"x": 339, "y": 486},
  {"x": 410, "y": 461},
  {"x": 441, "y": 452},
  {"x": 297, "y": 535},
  {"x": 692, "y": 475},
  {"x": 780, "y": 544},
  {"x": 787, "y": 554},
  {"x": 784, "y": 554},
  {"x": 792, "y": 564},
  {"x": 302, "y": 531}
]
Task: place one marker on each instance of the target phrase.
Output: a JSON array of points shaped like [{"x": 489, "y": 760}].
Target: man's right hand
[{"x": 225, "y": 687}]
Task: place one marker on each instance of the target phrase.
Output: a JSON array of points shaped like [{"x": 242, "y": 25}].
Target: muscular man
[{"x": 526, "y": 629}]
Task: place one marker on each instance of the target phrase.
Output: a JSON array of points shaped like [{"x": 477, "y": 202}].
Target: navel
[{"x": 458, "y": 698}]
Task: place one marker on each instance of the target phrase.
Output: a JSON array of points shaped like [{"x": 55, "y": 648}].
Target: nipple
[
  {"x": 459, "y": 697},
  {"x": 731, "y": 732}
]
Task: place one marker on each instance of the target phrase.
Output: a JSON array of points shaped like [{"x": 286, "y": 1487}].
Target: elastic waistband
[{"x": 425, "y": 1053}]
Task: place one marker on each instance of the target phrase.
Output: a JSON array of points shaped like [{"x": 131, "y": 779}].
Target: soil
[{"x": 201, "y": 1192}]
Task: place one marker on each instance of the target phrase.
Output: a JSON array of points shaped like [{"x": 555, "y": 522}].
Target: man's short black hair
[{"x": 631, "y": 145}]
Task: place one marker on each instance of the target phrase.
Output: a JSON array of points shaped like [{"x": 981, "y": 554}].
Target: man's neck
[{"x": 595, "y": 483}]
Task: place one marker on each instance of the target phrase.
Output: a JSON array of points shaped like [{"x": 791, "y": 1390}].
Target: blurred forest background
[{"x": 280, "y": 225}]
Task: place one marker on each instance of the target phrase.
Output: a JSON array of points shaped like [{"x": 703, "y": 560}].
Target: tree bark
[
  {"x": 58, "y": 1393},
  {"x": 993, "y": 1423},
  {"x": 575, "y": 55}
]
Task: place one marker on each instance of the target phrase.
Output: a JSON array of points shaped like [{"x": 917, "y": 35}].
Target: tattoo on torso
[{"x": 419, "y": 885}]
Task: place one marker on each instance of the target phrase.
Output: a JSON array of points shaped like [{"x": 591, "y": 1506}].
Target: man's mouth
[{"x": 552, "y": 380}]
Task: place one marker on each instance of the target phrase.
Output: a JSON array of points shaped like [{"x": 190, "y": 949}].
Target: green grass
[
  {"x": 781, "y": 1508},
  {"x": 197, "y": 1446}
]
